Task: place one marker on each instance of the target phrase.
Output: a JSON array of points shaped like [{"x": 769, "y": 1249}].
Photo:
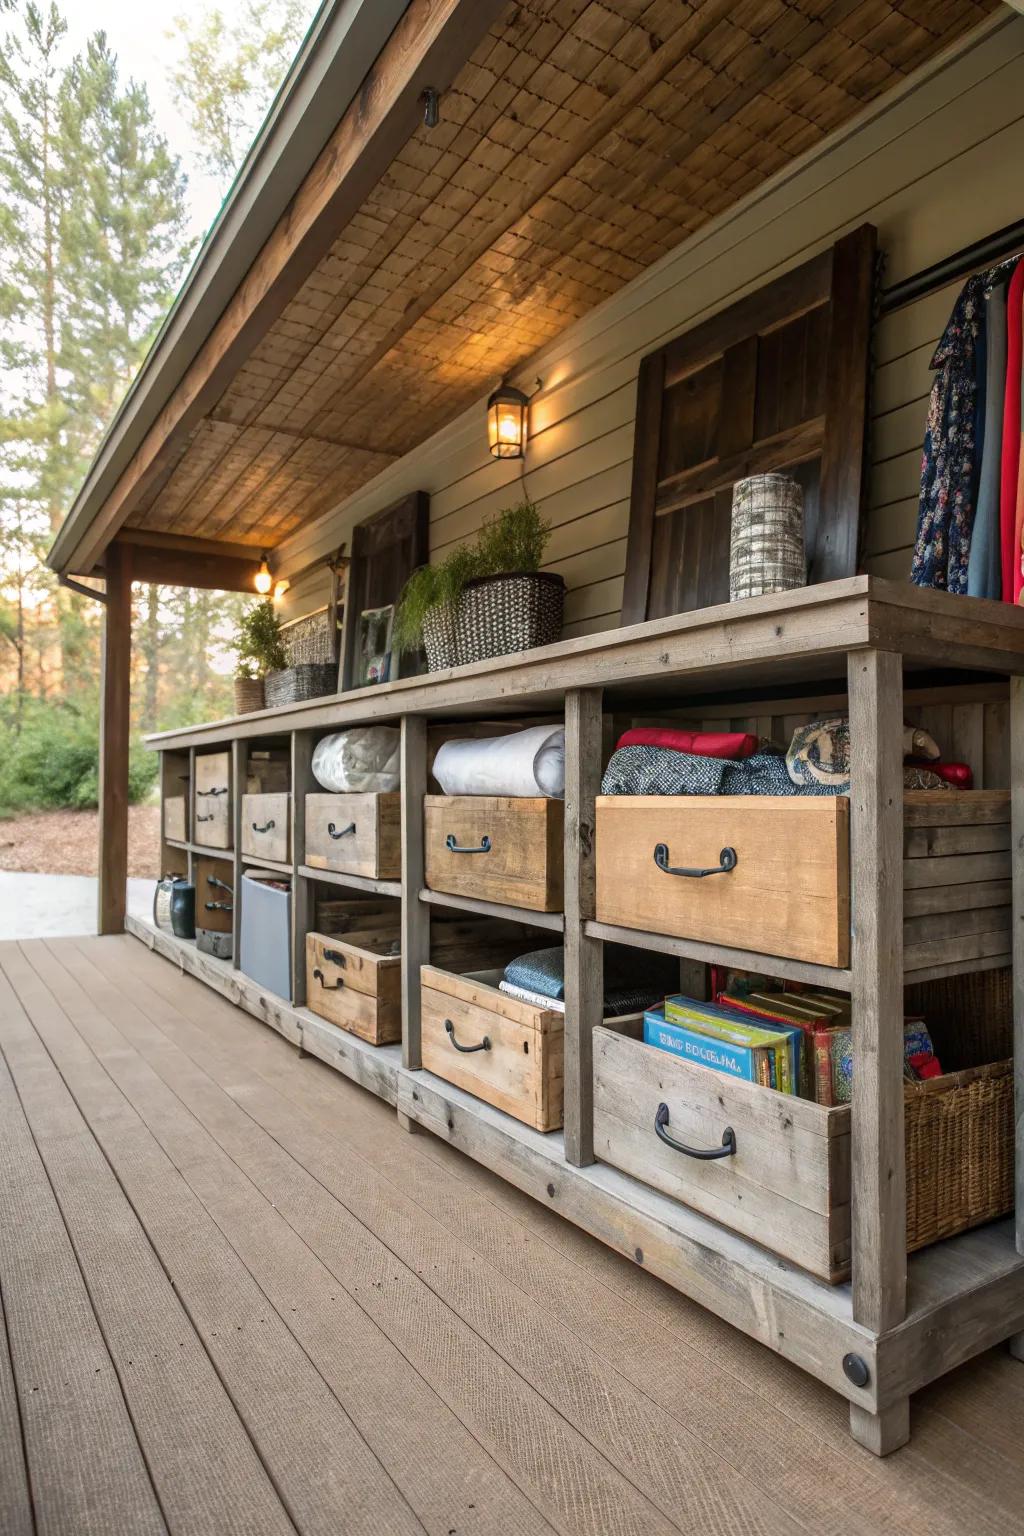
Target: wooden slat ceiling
[{"x": 583, "y": 140}]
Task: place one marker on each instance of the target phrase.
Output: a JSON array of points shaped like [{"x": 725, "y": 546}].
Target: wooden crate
[
  {"x": 175, "y": 818},
  {"x": 496, "y": 849},
  {"x": 355, "y": 834},
  {"x": 520, "y": 1068},
  {"x": 787, "y": 894},
  {"x": 356, "y": 985},
  {"x": 211, "y": 900},
  {"x": 211, "y": 812},
  {"x": 956, "y": 878},
  {"x": 787, "y": 1186},
  {"x": 266, "y": 827}
]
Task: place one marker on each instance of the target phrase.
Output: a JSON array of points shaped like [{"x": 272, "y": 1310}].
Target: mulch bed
[{"x": 67, "y": 842}]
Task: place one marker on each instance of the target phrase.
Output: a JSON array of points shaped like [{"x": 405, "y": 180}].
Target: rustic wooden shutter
[
  {"x": 777, "y": 381},
  {"x": 386, "y": 549}
]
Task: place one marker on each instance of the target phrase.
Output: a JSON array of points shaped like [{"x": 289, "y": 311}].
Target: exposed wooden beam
[
  {"x": 430, "y": 44},
  {"x": 187, "y": 544},
  {"x": 115, "y": 727},
  {"x": 169, "y": 565}
]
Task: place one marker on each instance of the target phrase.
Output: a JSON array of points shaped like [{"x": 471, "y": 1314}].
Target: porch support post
[
  {"x": 115, "y": 728},
  {"x": 1017, "y": 872}
]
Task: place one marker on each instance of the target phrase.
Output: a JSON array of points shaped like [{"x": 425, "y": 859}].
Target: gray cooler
[{"x": 265, "y": 952}]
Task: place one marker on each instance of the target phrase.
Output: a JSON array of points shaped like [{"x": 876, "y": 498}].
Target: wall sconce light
[
  {"x": 280, "y": 588},
  {"x": 506, "y": 422},
  {"x": 264, "y": 581}
]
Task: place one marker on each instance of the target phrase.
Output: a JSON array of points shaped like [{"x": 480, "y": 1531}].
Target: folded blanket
[
  {"x": 633, "y": 979},
  {"x": 526, "y": 763},
  {"x": 957, "y": 774},
  {"x": 731, "y": 744},
  {"x": 660, "y": 771},
  {"x": 364, "y": 758}
]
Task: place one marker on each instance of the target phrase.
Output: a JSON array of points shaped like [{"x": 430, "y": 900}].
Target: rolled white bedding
[
  {"x": 525, "y": 764},
  {"x": 360, "y": 760}
]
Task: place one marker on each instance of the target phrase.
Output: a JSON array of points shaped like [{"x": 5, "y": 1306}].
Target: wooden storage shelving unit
[{"x": 905, "y": 1320}]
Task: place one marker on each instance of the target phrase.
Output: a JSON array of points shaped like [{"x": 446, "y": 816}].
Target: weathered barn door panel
[
  {"x": 777, "y": 381},
  {"x": 386, "y": 549}
]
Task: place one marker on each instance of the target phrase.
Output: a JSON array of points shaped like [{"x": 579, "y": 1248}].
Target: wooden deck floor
[{"x": 239, "y": 1298}]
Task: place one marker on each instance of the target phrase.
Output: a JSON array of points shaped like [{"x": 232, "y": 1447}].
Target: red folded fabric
[
  {"x": 925, "y": 1065},
  {"x": 731, "y": 744},
  {"x": 957, "y": 774}
]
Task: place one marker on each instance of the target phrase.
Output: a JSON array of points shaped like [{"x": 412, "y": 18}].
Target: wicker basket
[
  {"x": 959, "y": 1137},
  {"x": 766, "y": 550},
  {"x": 248, "y": 695},
  {"x": 439, "y": 639},
  {"x": 499, "y": 615},
  {"x": 959, "y": 1128},
  {"x": 308, "y": 639},
  {"x": 309, "y": 680}
]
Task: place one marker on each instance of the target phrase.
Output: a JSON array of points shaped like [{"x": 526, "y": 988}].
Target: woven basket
[
  {"x": 310, "y": 680},
  {"x": 959, "y": 1138},
  {"x": 499, "y": 615},
  {"x": 248, "y": 695},
  {"x": 439, "y": 639},
  {"x": 308, "y": 639},
  {"x": 766, "y": 549}
]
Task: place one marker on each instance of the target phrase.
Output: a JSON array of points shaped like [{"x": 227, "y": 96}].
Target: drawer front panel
[
  {"x": 354, "y": 988},
  {"x": 215, "y": 897},
  {"x": 266, "y": 827},
  {"x": 787, "y": 1183},
  {"x": 495, "y": 849},
  {"x": 211, "y": 810},
  {"x": 784, "y": 890},
  {"x": 520, "y": 1071},
  {"x": 355, "y": 834},
  {"x": 175, "y": 819}
]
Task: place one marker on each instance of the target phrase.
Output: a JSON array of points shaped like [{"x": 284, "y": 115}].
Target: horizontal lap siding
[{"x": 939, "y": 168}]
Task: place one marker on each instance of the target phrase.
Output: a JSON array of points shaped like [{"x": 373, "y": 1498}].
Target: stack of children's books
[{"x": 795, "y": 1042}]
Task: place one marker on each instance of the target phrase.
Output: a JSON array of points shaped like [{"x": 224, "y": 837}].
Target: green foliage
[
  {"x": 514, "y": 540},
  {"x": 258, "y": 642},
  {"x": 228, "y": 70},
  {"x": 52, "y": 761}
]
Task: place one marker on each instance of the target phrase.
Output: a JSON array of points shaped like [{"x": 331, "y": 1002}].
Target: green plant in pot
[
  {"x": 425, "y": 616},
  {"x": 260, "y": 650},
  {"x": 510, "y": 604}
]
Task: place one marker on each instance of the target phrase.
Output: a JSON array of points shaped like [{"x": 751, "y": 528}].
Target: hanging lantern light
[
  {"x": 506, "y": 422},
  {"x": 264, "y": 581}
]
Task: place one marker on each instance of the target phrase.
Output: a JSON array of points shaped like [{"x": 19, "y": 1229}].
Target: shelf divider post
[{"x": 584, "y": 956}]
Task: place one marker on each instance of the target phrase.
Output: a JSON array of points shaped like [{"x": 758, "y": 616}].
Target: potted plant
[
  {"x": 426, "y": 612},
  {"x": 260, "y": 650},
  {"x": 510, "y": 604}
]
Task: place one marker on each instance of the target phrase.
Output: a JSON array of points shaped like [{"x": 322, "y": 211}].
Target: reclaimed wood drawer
[
  {"x": 357, "y": 986},
  {"x": 355, "y": 834},
  {"x": 211, "y": 812},
  {"x": 506, "y": 1051},
  {"x": 956, "y": 879},
  {"x": 215, "y": 896},
  {"x": 495, "y": 849},
  {"x": 785, "y": 1185},
  {"x": 175, "y": 819},
  {"x": 752, "y": 872},
  {"x": 266, "y": 827}
]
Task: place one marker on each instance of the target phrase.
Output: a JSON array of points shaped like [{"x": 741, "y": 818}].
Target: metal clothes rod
[{"x": 982, "y": 253}]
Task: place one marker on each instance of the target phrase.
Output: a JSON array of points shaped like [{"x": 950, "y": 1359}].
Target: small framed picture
[{"x": 374, "y": 660}]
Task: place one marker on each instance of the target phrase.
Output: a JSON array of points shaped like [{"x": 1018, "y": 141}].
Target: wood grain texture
[
  {"x": 584, "y": 955},
  {"x": 355, "y": 988},
  {"x": 1017, "y": 844},
  {"x": 415, "y": 916},
  {"x": 507, "y": 850},
  {"x": 212, "y": 809},
  {"x": 267, "y": 827},
  {"x": 371, "y": 849},
  {"x": 115, "y": 728},
  {"x": 876, "y": 829}
]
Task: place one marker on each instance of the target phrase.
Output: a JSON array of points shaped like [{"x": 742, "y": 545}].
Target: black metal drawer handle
[
  {"x": 222, "y": 791},
  {"x": 267, "y": 826},
  {"x": 332, "y": 830},
  {"x": 454, "y": 847},
  {"x": 218, "y": 906},
  {"x": 211, "y": 817},
  {"x": 485, "y": 1043},
  {"x": 328, "y": 986},
  {"x": 728, "y": 858},
  {"x": 706, "y": 1154}
]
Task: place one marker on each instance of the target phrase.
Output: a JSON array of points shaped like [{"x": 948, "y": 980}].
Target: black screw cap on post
[{"x": 855, "y": 1369}]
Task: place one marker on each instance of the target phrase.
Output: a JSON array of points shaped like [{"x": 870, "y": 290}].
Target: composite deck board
[
  {"x": 16, "y": 1516},
  {"x": 674, "y": 1351},
  {"x": 500, "y": 1370},
  {"x": 423, "y": 1446},
  {"x": 320, "y": 1465},
  {"x": 202, "y": 1462},
  {"x": 694, "y": 1484}
]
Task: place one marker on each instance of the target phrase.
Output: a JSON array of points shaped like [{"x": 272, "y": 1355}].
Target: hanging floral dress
[{"x": 950, "y": 461}]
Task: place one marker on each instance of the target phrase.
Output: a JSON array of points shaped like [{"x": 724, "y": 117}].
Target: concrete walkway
[{"x": 57, "y": 906}]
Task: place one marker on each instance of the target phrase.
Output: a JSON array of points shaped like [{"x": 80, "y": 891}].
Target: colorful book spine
[
  {"x": 732, "y": 1059},
  {"x": 724, "y": 1024}
]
